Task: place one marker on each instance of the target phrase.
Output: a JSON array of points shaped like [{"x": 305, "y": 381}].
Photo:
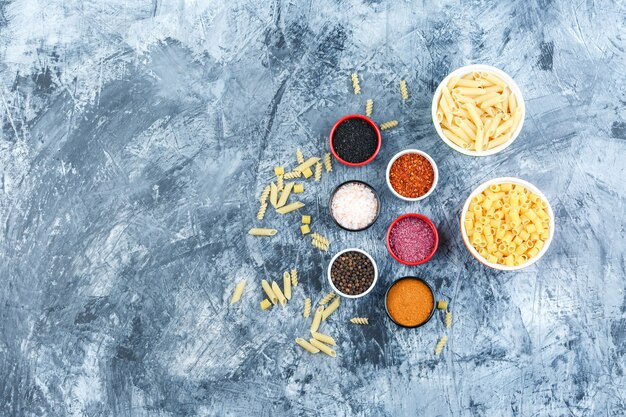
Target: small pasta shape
[
  {"x": 319, "y": 245},
  {"x": 328, "y": 163},
  {"x": 268, "y": 290},
  {"x": 355, "y": 83},
  {"x": 369, "y": 107},
  {"x": 261, "y": 231},
  {"x": 307, "y": 307},
  {"x": 238, "y": 292},
  {"x": 279, "y": 182},
  {"x": 292, "y": 174},
  {"x": 287, "y": 285},
  {"x": 440, "y": 344},
  {"x": 442, "y": 305},
  {"x": 331, "y": 308},
  {"x": 262, "y": 209},
  {"x": 324, "y": 338},
  {"x": 448, "y": 319},
  {"x": 388, "y": 125},
  {"x": 323, "y": 348},
  {"x": 318, "y": 237},
  {"x": 317, "y": 319},
  {"x": 290, "y": 207},
  {"x": 265, "y": 194},
  {"x": 265, "y": 304},
  {"x": 294, "y": 277},
  {"x": 306, "y": 345},
  {"x": 279, "y": 293},
  {"x": 327, "y": 298},
  {"x": 360, "y": 320},
  {"x": 318, "y": 171},
  {"x": 404, "y": 90},
  {"x": 299, "y": 156}
]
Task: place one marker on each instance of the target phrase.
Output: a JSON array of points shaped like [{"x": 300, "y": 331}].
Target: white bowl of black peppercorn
[{"x": 352, "y": 273}]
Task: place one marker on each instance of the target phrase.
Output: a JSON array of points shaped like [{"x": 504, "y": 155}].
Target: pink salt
[{"x": 412, "y": 239}]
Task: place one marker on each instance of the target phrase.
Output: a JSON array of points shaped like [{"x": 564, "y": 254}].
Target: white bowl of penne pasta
[
  {"x": 478, "y": 110},
  {"x": 507, "y": 224}
]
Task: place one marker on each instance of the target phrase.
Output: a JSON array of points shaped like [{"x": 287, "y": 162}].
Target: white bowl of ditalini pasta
[
  {"x": 507, "y": 224},
  {"x": 478, "y": 110}
]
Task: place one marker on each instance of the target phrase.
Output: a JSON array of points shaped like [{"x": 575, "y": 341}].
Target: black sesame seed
[{"x": 355, "y": 140}]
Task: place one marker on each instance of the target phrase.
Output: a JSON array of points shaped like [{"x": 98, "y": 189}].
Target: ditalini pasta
[
  {"x": 448, "y": 319},
  {"x": 262, "y": 209},
  {"x": 307, "y": 307},
  {"x": 299, "y": 156},
  {"x": 324, "y": 338},
  {"x": 287, "y": 285},
  {"x": 331, "y": 308},
  {"x": 238, "y": 292},
  {"x": 306, "y": 345},
  {"x": 307, "y": 173},
  {"x": 278, "y": 170},
  {"x": 317, "y": 319},
  {"x": 328, "y": 165},
  {"x": 507, "y": 224},
  {"x": 369, "y": 107},
  {"x": 323, "y": 348},
  {"x": 440, "y": 344},
  {"x": 355, "y": 83},
  {"x": 318, "y": 171},
  {"x": 479, "y": 112},
  {"x": 327, "y": 298},
  {"x": 388, "y": 125},
  {"x": 306, "y": 219},
  {"x": 305, "y": 229},
  {"x": 404, "y": 90},
  {"x": 279, "y": 293},
  {"x": 261, "y": 231},
  {"x": 294, "y": 277},
  {"x": 290, "y": 207},
  {"x": 268, "y": 290},
  {"x": 298, "y": 188},
  {"x": 265, "y": 304},
  {"x": 442, "y": 305},
  {"x": 284, "y": 195},
  {"x": 360, "y": 320}
]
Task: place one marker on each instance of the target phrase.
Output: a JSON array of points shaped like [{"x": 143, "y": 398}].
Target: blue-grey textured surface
[{"x": 136, "y": 136}]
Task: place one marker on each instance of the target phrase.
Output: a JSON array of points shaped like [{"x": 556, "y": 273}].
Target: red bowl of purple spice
[{"x": 412, "y": 239}]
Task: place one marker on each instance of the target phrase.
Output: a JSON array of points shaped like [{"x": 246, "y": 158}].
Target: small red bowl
[
  {"x": 428, "y": 222},
  {"x": 371, "y": 123}
]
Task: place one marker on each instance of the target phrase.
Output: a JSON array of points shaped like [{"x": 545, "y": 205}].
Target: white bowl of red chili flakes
[{"x": 412, "y": 175}]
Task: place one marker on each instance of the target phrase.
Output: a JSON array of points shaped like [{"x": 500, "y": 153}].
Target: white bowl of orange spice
[{"x": 412, "y": 175}]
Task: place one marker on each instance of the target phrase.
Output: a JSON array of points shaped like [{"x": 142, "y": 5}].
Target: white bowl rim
[
  {"x": 465, "y": 70},
  {"x": 471, "y": 248},
  {"x": 425, "y": 155},
  {"x": 371, "y": 260}
]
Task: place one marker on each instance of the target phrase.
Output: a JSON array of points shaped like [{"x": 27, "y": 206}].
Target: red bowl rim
[
  {"x": 355, "y": 116},
  {"x": 432, "y": 226}
]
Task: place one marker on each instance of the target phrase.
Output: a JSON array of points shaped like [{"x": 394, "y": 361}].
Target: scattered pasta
[
  {"x": 507, "y": 224},
  {"x": 404, "y": 90},
  {"x": 328, "y": 163},
  {"x": 299, "y": 156},
  {"x": 478, "y": 111},
  {"x": 306, "y": 345},
  {"x": 440, "y": 344},
  {"x": 442, "y": 304},
  {"x": 279, "y": 182},
  {"x": 307, "y": 173},
  {"x": 317, "y": 236},
  {"x": 324, "y": 338},
  {"x": 369, "y": 107},
  {"x": 323, "y": 348},
  {"x": 355, "y": 83},
  {"x": 331, "y": 308},
  {"x": 284, "y": 195},
  {"x": 306, "y": 219},
  {"x": 290, "y": 207},
  {"x": 360, "y": 320},
  {"x": 278, "y": 170},
  {"x": 318, "y": 172},
  {"x": 265, "y": 304},
  {"x": 269, "y": 292},
  {"x": 298, "y": 188},
  {"x": 294, "y": 277},
  {"x": 292, "y": 174},
  {"x": 287, "y": 285},
  {"x": 307, "y": 307},
  {"x": 238, "y": 292},
  {"x": 448, "y": 319},
  {"x": 327, "y": 298},
  {"x": 264, "y": 194},
  {"x": 307, "y": 164},
  {"x": 388, "y": 125},
  {"x": 317, "y": 319},
  {"x": 279, "y": 293},
  {"x": 305, "y": 229},
  {"x": 261, "y": 213},
  {"x": 273, "y": 194},
  {"x": 319, "y": 245},
  {"x": 261, "y": 231}
]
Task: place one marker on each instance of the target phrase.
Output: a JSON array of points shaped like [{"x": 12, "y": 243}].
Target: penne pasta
[
  {"x": 306, "y": 345},
  {"x": 307, "y": 164},
  {"x": 269, "y": 292},
  {"x": 260, "y": 231},
  {"x": 317, "y": 319},
  {"x": 287, "y": 285},
  {"x": 279, "y": 294},
  {"x": 324, "y": 338},
  {"x": 238, "y": 292},
  {"x": 284, "y": 194},
  {"x": 323, "y": 348},
  {"x": 290, "y": 207},
  {"x": 331, "y": 308}
]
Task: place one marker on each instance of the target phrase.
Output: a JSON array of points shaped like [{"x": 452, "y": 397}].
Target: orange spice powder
[{"x": 410, "y": 302}]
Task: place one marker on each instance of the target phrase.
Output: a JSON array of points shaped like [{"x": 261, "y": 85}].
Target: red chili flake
[{"x": 411, "y": 175}]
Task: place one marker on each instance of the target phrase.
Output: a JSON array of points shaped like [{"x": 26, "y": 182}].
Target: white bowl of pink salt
[
  {"x": 412, "y": 239},
  {"x": 354, "y": 205}
]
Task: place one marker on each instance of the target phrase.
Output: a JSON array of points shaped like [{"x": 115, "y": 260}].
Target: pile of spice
[
  {"x": 410, "y": 302},
  {"x": 412, "y": 239},
  {"x": 355, "y": 140},
  {"x": 411, "y": 175},
  {"x": 352, "y": 273},
  {"x": 354, "y": 205}
]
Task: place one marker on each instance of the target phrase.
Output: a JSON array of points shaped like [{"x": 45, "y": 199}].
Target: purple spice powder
[{"x": 412, "y": 239}]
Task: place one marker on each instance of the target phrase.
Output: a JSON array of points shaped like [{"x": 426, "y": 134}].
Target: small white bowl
[
  {"x": 330, "y": 280},
  {"x": 471, "y": 248},
  {"x": 466, "y": 70},
  {"x": 425, "y": 155}
]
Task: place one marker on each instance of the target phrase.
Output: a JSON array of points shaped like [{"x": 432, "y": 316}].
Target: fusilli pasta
[
  {"x": 261, "y": 213},
  {"x": 279, "y": 182},
  {"x": 328, "y": 163},
  {"x": 265, "y": 194},
  {"x": 404, "y": 90},
  {"x": 320, "y": 238},
  {"x": 292, "y": 174},
  {"x": 299, "y": 156},
  {"x": 320, "y": 245},
  {"x": 389, "y": 125},
  {"x": 307, "y": 307},
  {"x": 355, "y": 83},
  {"x": 448, "y": 319},
  {"x": 360, "y": 320},
  {"x": 294, "y": 277},
  {"x": 440, "y": 344},
  {"x": 318, "y": 171},
  {"x": 369, "y": 107},
  {"x": 326, "y": 299}
]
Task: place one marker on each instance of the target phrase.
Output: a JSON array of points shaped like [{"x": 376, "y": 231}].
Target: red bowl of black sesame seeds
[
  {"x": 352, "y": 273},
  {"x": 412, "y": 239},
  {"x": 355, "y": 140}
]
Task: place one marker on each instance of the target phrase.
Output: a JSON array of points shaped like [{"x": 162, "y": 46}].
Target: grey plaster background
[{"x": 136, "y": 135}]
